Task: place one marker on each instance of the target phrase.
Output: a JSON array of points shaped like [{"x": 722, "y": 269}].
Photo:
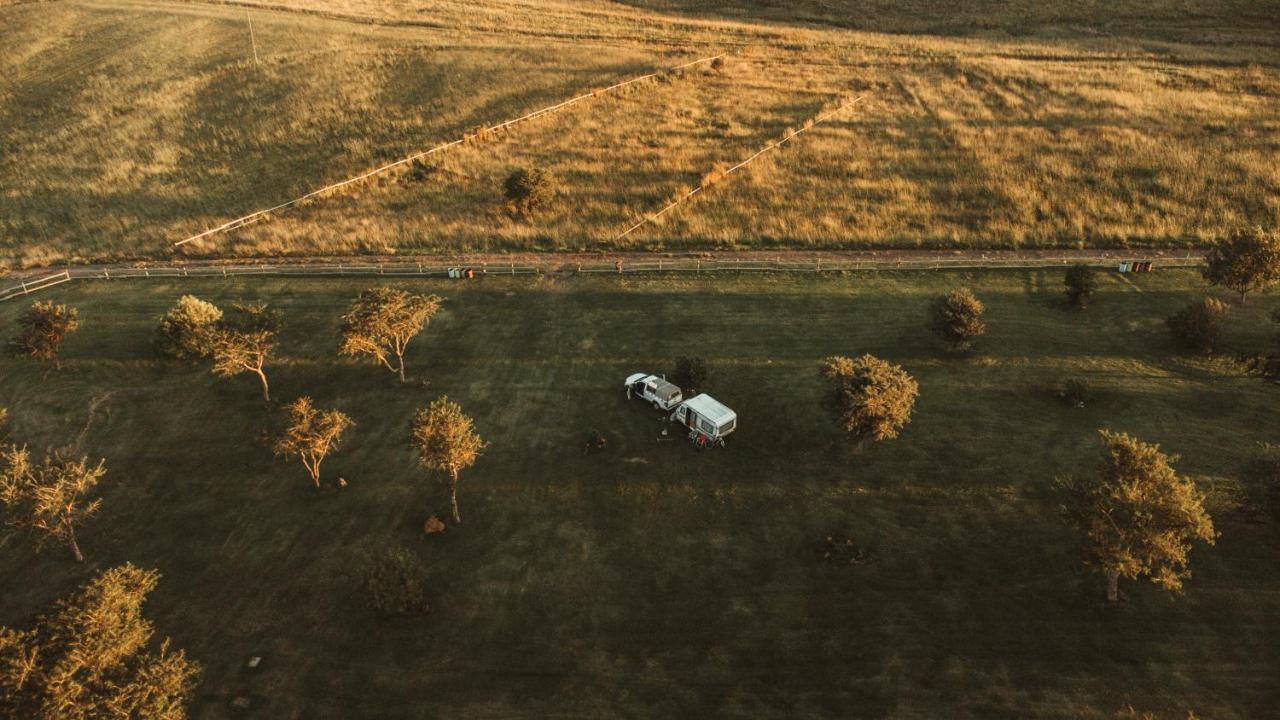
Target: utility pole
[{"x": 252, "y": 39}]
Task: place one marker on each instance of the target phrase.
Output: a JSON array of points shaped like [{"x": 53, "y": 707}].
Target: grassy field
[
  {"x": 126, "y": 126},
  {"x": 650, "y": 579}
]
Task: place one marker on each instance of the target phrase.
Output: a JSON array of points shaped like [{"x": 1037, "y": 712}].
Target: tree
[
  {"x": 446, "y": 441},
  {"x": 1244, "y": 261},
  {"x": 381, "y": 323},
  {"x": 528, "y": 189},
  {"x": 870, "y": 399},
  {"x": 188, "y": 330},
  {"x": 1198, "y": 326},
  {"x": 1260, "y": 476},
  {"x": 311, "y": 435},
  {"x": 1082, "y": 283},
  {"x": 45, "y": 325},
  {"x": 49, "y": 497},
  {"x": 244, "y": 342},
  {"x": 691, "y": 374},
  {"x": 957, "y": 318},
  {"x": 1136, "y": 517},
  {"x": 88, "y": 659}
]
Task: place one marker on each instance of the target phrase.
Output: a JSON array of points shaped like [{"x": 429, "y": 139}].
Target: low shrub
[
  {"x": 394, "y": 583},
  {"x": 528, "y": 189},
  {"x": 1074, "y": 392},
  {"x": 1198, "y": 326}
]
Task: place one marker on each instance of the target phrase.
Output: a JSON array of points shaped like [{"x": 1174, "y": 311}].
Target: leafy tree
[
  {"x": 1244, "y": 261},
  {"x": 957, "y": 318},
  {"x": 446, "y": 441},
  {"x": 381, "y": 323},
  {"x": 870, "y": 399},
  {"x": 1198, "y": 326},
  {"x": 311, "y": 435},
  {"x": 691, "y": 373},
  {"x": 188, "y": 330},
  {"x": 49, "y": 497},
  {"x": 244, "y": 342},
  {"x": 1082, "y": 283},
  {"x": 1260, "y": 476},
  {"x": 528, "y": 189},
  {"x": 45, "y": 325},
  {"x": 1136, "y": 517},
  {"x": 88, "y": 659}
]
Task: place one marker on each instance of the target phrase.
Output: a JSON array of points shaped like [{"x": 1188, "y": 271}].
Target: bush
[
  {"x": 870, "y": 399},
  {"x": 1198, "y": 326},
  {"x": 420, "y": 171},
  {"x": 394, "y": 583},
  {"x": 1081, "y": 282},
  {"x": 717, "y": 64},
  {"x": 691, "y": 374},
  {"x": 187, "y": 331},
  {"x": 1074, "y": 392},
  {"x": 528, "y": 189},
  {"x": 1260, "y": 477},
  {"x": 957, "y": 318}
]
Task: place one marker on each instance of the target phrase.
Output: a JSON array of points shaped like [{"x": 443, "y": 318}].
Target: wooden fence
[{"x": 569, "y": 267}]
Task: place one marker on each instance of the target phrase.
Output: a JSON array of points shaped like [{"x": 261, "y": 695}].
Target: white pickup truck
[{"x": 653, "y": 389}]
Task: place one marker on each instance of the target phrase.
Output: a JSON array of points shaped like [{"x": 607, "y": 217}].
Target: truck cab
[{"x": 653, "y": 389}]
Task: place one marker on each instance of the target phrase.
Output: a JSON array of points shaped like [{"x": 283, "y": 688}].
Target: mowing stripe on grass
[
  {"x": 251, "y": 217},
  {"x": 672, "y": 205}
]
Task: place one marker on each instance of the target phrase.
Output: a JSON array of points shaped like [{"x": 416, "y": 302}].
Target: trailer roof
[{"x": 710, "y": 408}]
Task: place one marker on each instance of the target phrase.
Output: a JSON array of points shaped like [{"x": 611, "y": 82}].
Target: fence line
[
  {"x": 624, "y": 267},
  {"x": 252, "y": 217},
  {"x": 26, "y": 288},
  {"x": 777, "y": 143}
]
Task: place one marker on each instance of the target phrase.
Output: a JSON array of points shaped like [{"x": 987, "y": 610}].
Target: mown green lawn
[{"x": 652, "y": 580}]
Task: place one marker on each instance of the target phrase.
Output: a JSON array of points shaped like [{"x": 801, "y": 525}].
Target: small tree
[
  {"x": 88, "y": 659},
  {"x": 1198, "y": 326},
  {"x": 691, "y": 374},
  {"x": 311, "y": 435},
  {"x": 1244, "y": 261},
  {"x": 244, "y": 342},
  {"x": 45, "y": 325},
  {"x": 528, "y": 189},
  {"x": 446, "y": 441},
  {"x": 1082, "y": 283},
  {"x": 49, "y": 497},
  {"x": 1136, "y": 517},
  {"x": 381, "y": 323},
  {"x": 1260, "y": 477},
  {"x": 188, "y": 330},
  {"x": 871, "y": 399},
  {"x": 957, "y": 318}
]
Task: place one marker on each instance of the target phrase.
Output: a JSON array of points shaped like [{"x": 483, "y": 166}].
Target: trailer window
[{"x": 705, "y": 426}]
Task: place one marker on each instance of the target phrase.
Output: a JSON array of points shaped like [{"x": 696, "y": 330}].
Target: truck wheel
[{"x": 657, "y": 405}]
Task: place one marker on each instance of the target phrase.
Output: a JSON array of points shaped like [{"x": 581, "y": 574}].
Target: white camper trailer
[
  {"x": 708, "y": 420},
  {"x": 653, "y": 389}
]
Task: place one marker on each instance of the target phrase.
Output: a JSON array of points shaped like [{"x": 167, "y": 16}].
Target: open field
[
  {"x": 127, "y": 126},
  {"x": 650, "y": 579}
]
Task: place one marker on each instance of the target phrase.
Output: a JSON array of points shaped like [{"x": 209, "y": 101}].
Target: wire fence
[
  {"x": 482, "y": 132},
  {"x": 561, "y": 266}
]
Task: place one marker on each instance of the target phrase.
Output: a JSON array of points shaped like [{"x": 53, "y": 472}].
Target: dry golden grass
[{"x": 127, "y": 126}]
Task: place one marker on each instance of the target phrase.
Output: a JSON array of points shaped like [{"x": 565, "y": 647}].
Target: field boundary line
[
  {"x": 26, "y": 288},
  {"x": 777, "y": 143},
  {"x": 254, "y": 216},
  {"x": 563, "y": 266}
]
